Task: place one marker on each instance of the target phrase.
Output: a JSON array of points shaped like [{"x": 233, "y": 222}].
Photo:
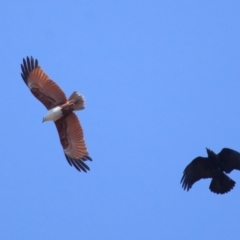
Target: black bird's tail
[{"x": 221, "y": 184}]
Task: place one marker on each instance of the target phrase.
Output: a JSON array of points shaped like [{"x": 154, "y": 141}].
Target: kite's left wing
[{"x": 44, "y": 89}]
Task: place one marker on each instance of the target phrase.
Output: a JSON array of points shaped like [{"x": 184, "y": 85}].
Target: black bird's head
[{"x": 210, "y": 153}]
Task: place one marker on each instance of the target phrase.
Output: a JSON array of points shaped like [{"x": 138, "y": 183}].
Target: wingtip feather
[
  {"x": 28, "y": 64},
  {"x": 78, "y": 163}
]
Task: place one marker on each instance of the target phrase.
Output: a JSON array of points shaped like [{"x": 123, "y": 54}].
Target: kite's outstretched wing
[
  {"x": 72, "y": 140},
  {"x": 44, "y": 89}
]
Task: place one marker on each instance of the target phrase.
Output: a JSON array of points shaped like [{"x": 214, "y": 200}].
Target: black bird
[{"x": 214, "y": 166}]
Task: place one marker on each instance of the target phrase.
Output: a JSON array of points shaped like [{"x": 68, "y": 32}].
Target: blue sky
[{"x": 161, "y": 81}]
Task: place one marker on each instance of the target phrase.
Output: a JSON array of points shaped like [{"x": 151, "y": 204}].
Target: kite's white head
[{"x": 53, "y": 114}]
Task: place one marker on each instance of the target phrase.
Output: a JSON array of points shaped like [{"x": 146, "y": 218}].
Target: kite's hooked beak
[{"x": 43, "y": 120}]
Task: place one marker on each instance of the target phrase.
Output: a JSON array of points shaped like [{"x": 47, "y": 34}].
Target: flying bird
[
  {"x": 214, "y": 166},
  {"x": 60, "y": 110}
]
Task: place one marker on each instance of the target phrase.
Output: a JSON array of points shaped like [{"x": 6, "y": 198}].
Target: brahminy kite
[
  {"x": 60, "y": 110},
  {"x": 214, "y": 166}
]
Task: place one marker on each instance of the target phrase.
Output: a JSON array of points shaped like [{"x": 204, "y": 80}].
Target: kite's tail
[
  {"x": 221, "y": 184},
  {"x": 78, "y": 100}
]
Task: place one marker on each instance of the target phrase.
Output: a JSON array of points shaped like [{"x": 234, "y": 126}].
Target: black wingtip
[
  {"x": 186, "y": 180},
  {"x": 29, "y": 64},
  {"x": 86, "y": 158},
  {"x": 78, "y": 163}
]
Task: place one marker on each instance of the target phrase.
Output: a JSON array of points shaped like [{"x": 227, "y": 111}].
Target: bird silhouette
[{"x": 214, "y": 166}]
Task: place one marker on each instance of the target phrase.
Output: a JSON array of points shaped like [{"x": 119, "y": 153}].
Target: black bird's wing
[
  {"x": 230, "y": 159},
  {"x": 199, "y": 168}
]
